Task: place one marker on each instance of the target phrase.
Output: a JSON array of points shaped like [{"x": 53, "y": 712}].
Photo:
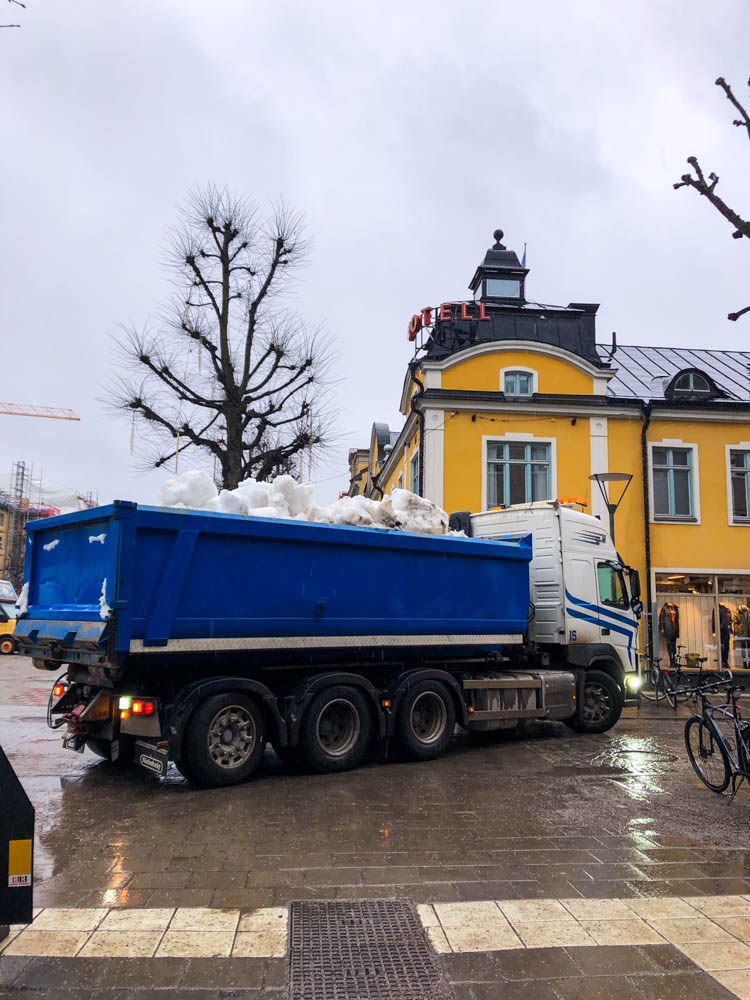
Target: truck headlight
[{"x": 632, "y": 682}]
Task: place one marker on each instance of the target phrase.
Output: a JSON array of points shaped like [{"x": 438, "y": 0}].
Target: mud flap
[{"x": 153, "y": 757}]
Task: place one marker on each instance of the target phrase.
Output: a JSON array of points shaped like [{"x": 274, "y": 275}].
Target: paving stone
[
  {"x": 717, "y": 955},
  {"x": 612, "y": 960},
  {"x": 10, "y": 968},
  {"x": 737, "y": 982},
  {"x": 535, "y": 964},
  {"x": 699, "y": 986},
  {"x": 158, "y": 973},
  {"x": 668, "y": 958},
  {"x": 229, "y": 973},
  {"x": 605, "y": 988},
  {"x": 468, "y": 967},
  {"x": 513, "y": 991}
]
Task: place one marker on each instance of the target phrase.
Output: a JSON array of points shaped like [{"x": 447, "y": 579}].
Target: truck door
[
  {"x": 581, "y": 597},
  {"x": 616, "y": 619}
]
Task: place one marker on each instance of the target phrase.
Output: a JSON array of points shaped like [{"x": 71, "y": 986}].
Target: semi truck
[{"x": 199, "y": 638}]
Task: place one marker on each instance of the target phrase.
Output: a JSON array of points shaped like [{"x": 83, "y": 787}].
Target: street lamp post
[{"x": 603, "y": 479}]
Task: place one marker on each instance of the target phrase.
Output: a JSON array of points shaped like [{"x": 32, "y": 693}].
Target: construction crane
[{"x": 51, "y": 412}]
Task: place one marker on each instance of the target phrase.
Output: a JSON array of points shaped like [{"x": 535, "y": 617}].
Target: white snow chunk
[
  {"x": 22, "y": 604},
  {"x": 104, "y": 608},
  {"x": 284, "y": 497},
  {"x": 95, "y": 538},
  {"x": 193, "y": 489},
  {"x": 52, "y": 545}
]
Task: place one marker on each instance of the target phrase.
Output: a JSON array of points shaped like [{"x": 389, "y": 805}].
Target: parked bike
[{"x": 718, "y": 758}]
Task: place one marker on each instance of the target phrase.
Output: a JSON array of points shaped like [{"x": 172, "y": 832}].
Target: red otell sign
[{"x": 444, "y": 313}]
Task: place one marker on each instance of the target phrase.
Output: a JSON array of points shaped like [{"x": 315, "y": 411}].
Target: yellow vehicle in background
[{"x": 8, "y": 598}]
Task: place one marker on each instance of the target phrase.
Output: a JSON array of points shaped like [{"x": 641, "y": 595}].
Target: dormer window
[
  {"x": 518, "y": 382},
  {"x": 691, "y": 382}
]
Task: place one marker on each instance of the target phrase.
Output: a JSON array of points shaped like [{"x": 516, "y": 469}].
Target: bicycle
[
  {"x": 714, "y": 759},
  {"x": 689, "y": 683},
  {"x": 657, "y": 683}
]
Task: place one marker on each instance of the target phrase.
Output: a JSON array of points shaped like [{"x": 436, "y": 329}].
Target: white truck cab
[{"x": 585, "y": 601}]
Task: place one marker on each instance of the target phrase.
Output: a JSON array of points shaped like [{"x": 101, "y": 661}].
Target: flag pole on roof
[{"x": 523, "y": 259}]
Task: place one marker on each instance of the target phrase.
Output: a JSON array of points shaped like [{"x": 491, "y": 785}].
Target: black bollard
[{"x": 16, "y": 850}]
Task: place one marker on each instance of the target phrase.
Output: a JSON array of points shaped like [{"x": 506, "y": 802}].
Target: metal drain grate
[{"x": 369, "y": 950}]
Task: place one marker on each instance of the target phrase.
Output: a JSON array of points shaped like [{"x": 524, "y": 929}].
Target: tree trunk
[{"x": 232, "y": 465}]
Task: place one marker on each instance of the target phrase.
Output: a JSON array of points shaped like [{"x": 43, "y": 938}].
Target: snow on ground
[{"x": 284, "y": 497}]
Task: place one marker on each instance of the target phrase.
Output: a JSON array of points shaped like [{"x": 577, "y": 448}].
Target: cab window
[{"x": 612, "y": 590}]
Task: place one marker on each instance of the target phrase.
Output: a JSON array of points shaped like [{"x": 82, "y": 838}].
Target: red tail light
[
  {"x": 58, "y": 690},
  {"x": 142, "y": 707}
]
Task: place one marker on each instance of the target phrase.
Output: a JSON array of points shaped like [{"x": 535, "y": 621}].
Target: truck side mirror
[
  {"x": 635, "y": 584},
  {"x": 637, "y": 607}
]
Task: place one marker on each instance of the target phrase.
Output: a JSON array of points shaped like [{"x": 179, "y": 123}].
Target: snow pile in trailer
[{"x": 284, "y": 497}]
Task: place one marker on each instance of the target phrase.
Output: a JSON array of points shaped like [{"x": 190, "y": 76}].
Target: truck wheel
[
  {"x": 7, "y": 645},
  {"x": 601, "y": 704},
  {"x": 336, "y": 730},
  {"x": 224, "y": 740},
  {"x": 425, "y": 721}
]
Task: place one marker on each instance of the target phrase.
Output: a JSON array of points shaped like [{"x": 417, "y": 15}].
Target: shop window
[
  {"x": 612, "y": 590},
  {"x": 414, "y": 473},
  {"x": 739, "y": 479},
  {"x": 673, "y": 490},
  {"x": 517, "y": 472},
  {"x": 518, "y": 383}
]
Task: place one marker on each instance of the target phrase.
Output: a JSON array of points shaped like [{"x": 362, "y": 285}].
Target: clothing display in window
[
  {"x": 741, "y": 621},
  {"x": 669, "y": 626},
  {"x": 725, "y": 631}
]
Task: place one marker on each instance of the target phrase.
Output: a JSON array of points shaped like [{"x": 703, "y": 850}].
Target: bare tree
[
  {"x": 17, "y": 3},
  {"x": 706, "y": 186},
  {"x": 228, "y": 373}
]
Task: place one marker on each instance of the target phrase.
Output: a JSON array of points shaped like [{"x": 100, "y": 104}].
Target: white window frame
[
  {"x": 675, "y": 443},
  {"x": 522, "y": 439},
  {"x": 524, "y": 371},
  {"x": 740, "y": 446},
  {"x": 414, "y": 471}
]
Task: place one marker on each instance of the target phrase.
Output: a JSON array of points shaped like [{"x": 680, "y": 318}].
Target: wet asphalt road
[{"x": 552, "y": 815}]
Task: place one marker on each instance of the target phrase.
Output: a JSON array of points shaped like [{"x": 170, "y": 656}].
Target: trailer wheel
[
  {"x": 224, "y": 740},
  {"x": 7, "y": 645},
  {"x": 601, "y": 704},
  {"x": 425, "y": 721},
  {"x": 336, "y": 730}
]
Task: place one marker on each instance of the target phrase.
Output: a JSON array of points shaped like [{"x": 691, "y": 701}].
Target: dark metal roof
[{"x": 644, "y": 372}]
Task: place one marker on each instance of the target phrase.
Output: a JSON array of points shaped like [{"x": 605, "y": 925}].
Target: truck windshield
[
  {"x": 7, "y": 612},
  {"x": 612, "y": 590}
]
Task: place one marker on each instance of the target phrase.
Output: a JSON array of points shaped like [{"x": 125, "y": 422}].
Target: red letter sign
[
  {"x": 445, "y": 312},
  {"x": 465, "y": 311},
  {"x": 482, "y": 313},
  {"x": 415, "y": 325},
  {"x": 427, "y": 316}
]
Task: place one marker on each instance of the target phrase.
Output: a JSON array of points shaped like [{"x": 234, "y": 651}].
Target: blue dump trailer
[{"x": 201, "y": 637}]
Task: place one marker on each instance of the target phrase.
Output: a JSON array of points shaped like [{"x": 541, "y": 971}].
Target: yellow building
[{"x": 508, "y": 401}]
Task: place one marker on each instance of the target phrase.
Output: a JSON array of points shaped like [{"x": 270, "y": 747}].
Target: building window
[
  {"x": 739, "y": 477},
  {"x": 518, "y": 383},
  {"x": 691, "y": 382},
  {"x": 673, "y": 483},
  {"x": 517, "y": 472},
  {"x": 400, "y": 483},
  {"x": 502, "y": 288},
  {"x": 414, "y": 472}
]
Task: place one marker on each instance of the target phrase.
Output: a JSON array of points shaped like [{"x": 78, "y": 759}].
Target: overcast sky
[{"x": 405, "y": 132}]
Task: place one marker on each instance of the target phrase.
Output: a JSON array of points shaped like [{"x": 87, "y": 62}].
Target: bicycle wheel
[
  {"x": 669, "y": 694},
  {"x": 652, "y": 689},
  {"x": 682, "y": 684},
  {"x": 707, "y": 755}
]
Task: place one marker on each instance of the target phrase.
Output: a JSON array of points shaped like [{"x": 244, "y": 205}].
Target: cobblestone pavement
[{"x": 554, "y": 816}]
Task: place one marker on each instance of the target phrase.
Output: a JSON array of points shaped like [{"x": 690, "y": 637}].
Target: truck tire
[
  {"x": 7, "y": 645},
  {"x": 425, "y": 720},
  {"x": 336, "y": 730},
  {"x": 224, "y": 741},
  {"x": 601, "y": 705}
]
